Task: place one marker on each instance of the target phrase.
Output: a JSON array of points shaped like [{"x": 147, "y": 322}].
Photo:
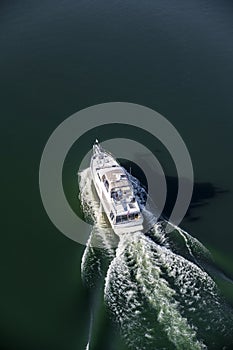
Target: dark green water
[{"x": 58, "y": 57}]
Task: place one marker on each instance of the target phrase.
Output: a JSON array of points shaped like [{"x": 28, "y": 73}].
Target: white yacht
[{"x": 115, "y": 192}]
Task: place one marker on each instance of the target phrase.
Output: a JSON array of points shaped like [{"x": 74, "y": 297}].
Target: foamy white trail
[{"x": 156, "y": 287}]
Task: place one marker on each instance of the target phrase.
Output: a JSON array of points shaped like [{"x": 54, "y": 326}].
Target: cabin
[{"x": 120, "y": 191}]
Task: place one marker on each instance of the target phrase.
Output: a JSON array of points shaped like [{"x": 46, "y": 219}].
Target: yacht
[{"x": 115, "y": 192}]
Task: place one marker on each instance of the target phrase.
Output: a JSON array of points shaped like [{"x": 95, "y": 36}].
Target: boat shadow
[{"x": 203, "y": 192}]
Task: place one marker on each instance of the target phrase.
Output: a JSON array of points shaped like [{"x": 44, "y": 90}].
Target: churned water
[{"x": 157, "y": 286}]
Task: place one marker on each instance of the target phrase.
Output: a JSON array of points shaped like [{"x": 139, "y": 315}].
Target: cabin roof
[
  {"x": 115, "y": 174},
  {"x": 116, "y": 177}
]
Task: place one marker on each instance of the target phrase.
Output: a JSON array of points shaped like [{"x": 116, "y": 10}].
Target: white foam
[{"x": 145, "y": 277}]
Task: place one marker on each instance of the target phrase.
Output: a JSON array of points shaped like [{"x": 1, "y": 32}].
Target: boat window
[
  {"x": 106, "y": 184},
  {"x": 131, "y": 217},
  {"x": 121, "y": 218},
  {"x": 124, "y": 217},
  {"x": 113, "y": 194},
  {"x": 111, "y": 215}
]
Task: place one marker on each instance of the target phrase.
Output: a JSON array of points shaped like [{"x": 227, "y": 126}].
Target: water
[
  {"x": 58, "y": 57},
  {"x": 157, "y": 285}
]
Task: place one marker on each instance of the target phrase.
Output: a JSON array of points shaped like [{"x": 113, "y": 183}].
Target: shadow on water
[{"x": 203, "y": 192}]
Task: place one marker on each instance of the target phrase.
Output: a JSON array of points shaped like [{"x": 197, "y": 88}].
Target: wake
[{"x": 156, "y": 285}]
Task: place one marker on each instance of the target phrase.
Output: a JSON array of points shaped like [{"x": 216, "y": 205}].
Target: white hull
[{"x": 123, "y": 213}]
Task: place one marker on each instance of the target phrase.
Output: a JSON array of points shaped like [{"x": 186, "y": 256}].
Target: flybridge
[{"x": 115, "y": 192}]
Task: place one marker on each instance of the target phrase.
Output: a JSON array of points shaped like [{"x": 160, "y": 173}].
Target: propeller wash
[{"x": 157, "y": 285}]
